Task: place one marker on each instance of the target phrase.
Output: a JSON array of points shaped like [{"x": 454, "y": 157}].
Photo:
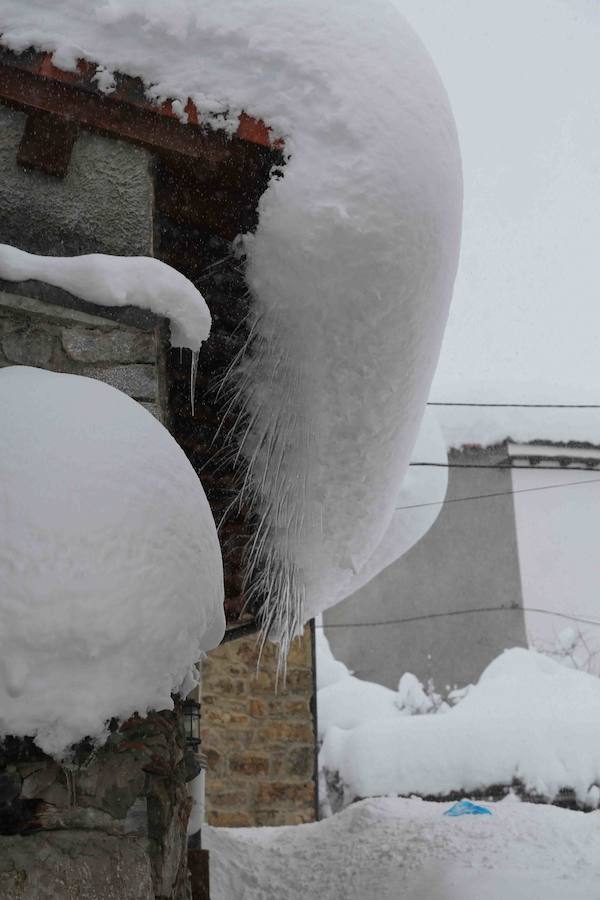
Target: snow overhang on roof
[{"x": 351, "y": 260}]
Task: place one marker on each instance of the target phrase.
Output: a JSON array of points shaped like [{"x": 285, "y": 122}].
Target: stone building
[{"x": 86, "y": 173}]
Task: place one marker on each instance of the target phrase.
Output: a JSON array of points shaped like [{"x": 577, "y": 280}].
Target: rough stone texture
[
  {"x": 103, "y": 205},
  {"x": 72, "y": 866},
  {"x": 259, "y": 738},
  {"x": 110, "y": 824},
  {"x": 138, "y": 381},
  {"x": 88, "y": 345},
  {"x": 50, "y": 337}
]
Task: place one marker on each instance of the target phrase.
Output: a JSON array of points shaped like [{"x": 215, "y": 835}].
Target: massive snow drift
[
  {"x": 111, "y": 581},
  {"x": 353, "y": 261}
]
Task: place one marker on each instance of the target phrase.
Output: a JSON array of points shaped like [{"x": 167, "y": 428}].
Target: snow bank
[
  {"x": 528, "y": 718},
  {"x": 345, "y": 701},
  {"x": 111, "y": 579},
  {"x": 353, "y": 260},
  {"x": 119, "y": 281},
  {"x": 329, "y": 670},
  {"x": 392, "y": 848}
]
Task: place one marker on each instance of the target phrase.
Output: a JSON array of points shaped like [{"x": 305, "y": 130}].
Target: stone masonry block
[
  {"x": 138, "y": 381},
  {"x": 287, "y": 732},
  {"x": 279, "y": 793},
  {"x": 300, "y": 762},
  {"x": 249, "y": 763},
  {"x": 230, "y": 819},
  {"x": 116, "y": 346},
  {"x": 29, "y": 346}
]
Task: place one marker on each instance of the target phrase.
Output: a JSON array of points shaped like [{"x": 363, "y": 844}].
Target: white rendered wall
[{"x": 559, "y": 554}]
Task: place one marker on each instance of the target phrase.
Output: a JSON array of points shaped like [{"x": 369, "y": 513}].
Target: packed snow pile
[
  {"x": 346, "y": 702},
  {"x": 111, "y": 581},
  {"x": 119, "y": 281},
  {"x": 528, "y": 720},
  {"x": 393, "y": 848},
  {"x": 352, "y": 263}
]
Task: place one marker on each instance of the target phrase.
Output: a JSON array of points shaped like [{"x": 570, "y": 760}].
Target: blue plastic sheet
[{"x": 466, "y": 808}]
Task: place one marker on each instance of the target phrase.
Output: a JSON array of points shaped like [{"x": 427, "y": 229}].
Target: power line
[
  {"x": 463, "y": 612},
  {"x": 518, "y": 405},
  {"x": 546, "y": 487}
]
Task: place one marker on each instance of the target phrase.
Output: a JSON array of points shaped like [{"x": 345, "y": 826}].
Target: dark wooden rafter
[
  {"x": 29, "y": 81},
  {"x": 47, "y": 143}
]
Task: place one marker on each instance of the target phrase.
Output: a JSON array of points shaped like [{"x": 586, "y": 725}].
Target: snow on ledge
[{"x": 140, "y": 281}]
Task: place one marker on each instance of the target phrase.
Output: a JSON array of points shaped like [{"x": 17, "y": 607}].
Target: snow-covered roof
[
  {"x": 489, "y": 425},
  {"x": 351, "y": 266}
]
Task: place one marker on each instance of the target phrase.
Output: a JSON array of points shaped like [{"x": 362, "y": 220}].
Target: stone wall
[
  {"x": 110, "y": 825},
  {"x": 48, "y": 336},
  {"x": 259, "y": 736}
]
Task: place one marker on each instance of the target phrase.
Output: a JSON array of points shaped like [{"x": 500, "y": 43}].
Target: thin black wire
[
  {"x": 463, "y": 612},
  {"x": 519, "y": 405},
  {"x": 546, "y": 487}
]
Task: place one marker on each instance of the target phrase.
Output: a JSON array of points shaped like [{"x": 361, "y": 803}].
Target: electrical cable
[
  {"x": 462, "y": 612},
  {"x": 546, "y": 487},
  {"x": 518, "y": 405}
]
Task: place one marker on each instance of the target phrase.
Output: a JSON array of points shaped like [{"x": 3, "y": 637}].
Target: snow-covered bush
[
  {"x": 111, "y": 581},
  {"x": 574, "y": 648}
]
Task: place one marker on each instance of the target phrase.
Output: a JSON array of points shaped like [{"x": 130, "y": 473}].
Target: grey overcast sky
[{"x": 524, "y": 81}]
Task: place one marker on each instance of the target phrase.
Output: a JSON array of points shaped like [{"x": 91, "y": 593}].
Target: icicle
[
  {"x": 69, "y": 770},
  {"x": 193, "y": 376}
]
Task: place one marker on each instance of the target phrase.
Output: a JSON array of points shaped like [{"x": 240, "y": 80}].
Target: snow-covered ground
[
  {"x": 529, "y": 719},
  {"x": 406, "y": 849}
]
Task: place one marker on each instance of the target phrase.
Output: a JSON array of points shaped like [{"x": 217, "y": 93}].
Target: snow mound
[
  {"x": 528, "y": 719},
  {"x": 352, "y": 263},
  {"x": 393, "y": 848},
  {"x": 119, "y": 281},
  {"x": 329, "y": 670},
  {"x": 346, "y": 702},
  {"x": 111, "y": 579}
]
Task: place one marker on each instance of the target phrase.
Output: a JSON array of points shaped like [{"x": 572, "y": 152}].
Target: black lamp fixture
[{"x": 191, "y": 718}]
